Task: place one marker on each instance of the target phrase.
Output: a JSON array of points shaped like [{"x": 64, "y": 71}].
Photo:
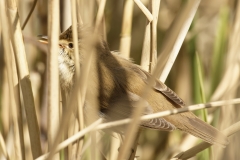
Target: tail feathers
[{"x": 200, "y": 129}]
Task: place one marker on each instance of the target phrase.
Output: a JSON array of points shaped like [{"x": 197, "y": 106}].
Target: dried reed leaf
[{"x": 24, "y": 79}]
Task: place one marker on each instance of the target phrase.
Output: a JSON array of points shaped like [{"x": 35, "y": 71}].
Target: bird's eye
[{"x": 70, "y": 45}]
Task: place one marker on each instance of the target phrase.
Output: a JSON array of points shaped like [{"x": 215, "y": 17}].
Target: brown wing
[
  {"x": 161, "y": 87},
  {"x": 122, "y": 107},
  {"x": 187, "y": 122},
  {"x": 159, "y": 124}
]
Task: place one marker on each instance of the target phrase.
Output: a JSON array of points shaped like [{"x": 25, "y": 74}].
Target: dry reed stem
[
  {"x": 23, "y": 75},
  {"x": 188, "y": 14},
  {"x": 178, "y": 35},
  {"x": 125, "y": 45},
  {"x": 14, "y": 104},
  {"x": 3, "y": 148},
  {"x": 145, "y": 57},
  {"x": 171, "y": 112},
  {"x": 75, "y": 37},
  {"x": 224, "y": 87},
  {"x": 134, "y": 146},
  {"x": 94, "y": 99},
  {"x": 125, "y": 41},
  {"x": 63, "y": 107},
  {"x": 232, "y": 72},
  {"x": 72, "y": 139},
  {"x": 203, "y": 145},
  {"x": 88, "y": 143},
  {"x": 81, "y": 9},
  {"x": 53, "y": 73},
  {"x": 98, "y": 126},
  {"x": 29, "y": 15},
  {"x": 65, "y": 19},
  {"x": 5, "y": 102},
  {"x": 152, "y": 50},
  {"x": 144, "y": 10},
  {"x": 149, "y": 52},
  {"x": 100, "y": 15},
  {"x": 9, "y": 144},
  {"x": 73, "y": 128},
  {"x": 77, "y": 71},
  {"x": 87, "y": 11},
  {"x": 5, "y": 117},
  {"x": 115, "y": 143},
  {"x": 13, "y": 89},
  {"x": 82, "y": 84},
  {"x": 154, "y": 8},
  {"x": 229, "y": 115},
  {"x": 132, "y": 128}
]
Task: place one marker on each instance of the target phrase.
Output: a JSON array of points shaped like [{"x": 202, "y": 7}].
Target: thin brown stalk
[
  {"x": 24, "y": 79},
  {"x": 29, "y": 14},
  {"x": 125, "y": 41}
]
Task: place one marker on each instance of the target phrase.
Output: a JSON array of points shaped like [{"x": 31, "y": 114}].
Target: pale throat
[{"x": 66, "y": 73}]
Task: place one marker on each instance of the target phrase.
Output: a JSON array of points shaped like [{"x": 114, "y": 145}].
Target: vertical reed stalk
[
  {"x": 24, "y": 79},
  {"x": 125, "y": 41},
  {"x": 53, "y": 73}
]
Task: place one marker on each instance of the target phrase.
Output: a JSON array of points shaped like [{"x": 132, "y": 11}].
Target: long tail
[{"x": 193, "y": 125}]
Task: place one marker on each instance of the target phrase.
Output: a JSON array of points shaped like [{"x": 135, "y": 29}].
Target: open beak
[{"x": 43, "y": 39}]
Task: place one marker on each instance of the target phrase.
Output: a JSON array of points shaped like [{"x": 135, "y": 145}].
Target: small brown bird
[{"x": 118, "y": 83}]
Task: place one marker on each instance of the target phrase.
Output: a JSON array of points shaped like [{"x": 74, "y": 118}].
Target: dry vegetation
[{"x": 202, "y": 38}]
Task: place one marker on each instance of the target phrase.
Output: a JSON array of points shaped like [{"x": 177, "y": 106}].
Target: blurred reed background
[{"x": 206, "y": 69}]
